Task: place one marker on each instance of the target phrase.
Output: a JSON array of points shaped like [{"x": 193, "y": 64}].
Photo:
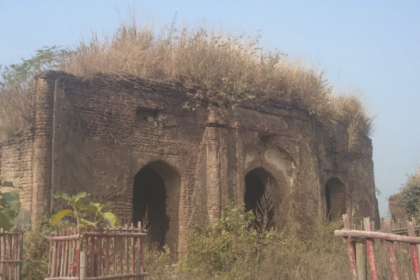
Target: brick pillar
[
  {"x": 213, "y": 168},
  {"x": 42, "y": 145}
]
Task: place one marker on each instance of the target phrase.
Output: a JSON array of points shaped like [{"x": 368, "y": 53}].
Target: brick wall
[
  {"x": 96, "y": 133},
  {"x": 16, "y": 165}
]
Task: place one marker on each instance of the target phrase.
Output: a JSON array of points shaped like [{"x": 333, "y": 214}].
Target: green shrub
[
  {"x": 234, "y": 248},
  {"x": 411, "y": 196},
  {"x": 215, "y": 249},
  {"x": 35, "y": 251}
]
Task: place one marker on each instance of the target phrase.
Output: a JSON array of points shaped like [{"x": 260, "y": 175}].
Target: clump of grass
[
  {"x": 225, "y": 68},
  {"x": 349, "y": 110}
]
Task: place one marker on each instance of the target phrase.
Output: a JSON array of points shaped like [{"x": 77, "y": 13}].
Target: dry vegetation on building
[{"x": 221, "y": 69}]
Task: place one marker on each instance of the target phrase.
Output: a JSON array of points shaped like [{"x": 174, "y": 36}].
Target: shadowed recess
[
  {"x": 257, "y": 197},
  {"x": 156, "y": 194},
  {"x": 149, "y": 204},
  {"x": 335, "y": 197}
]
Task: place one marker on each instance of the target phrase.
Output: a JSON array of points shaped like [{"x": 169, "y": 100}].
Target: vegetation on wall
[
  {"x": 218, "y": 68},
  {"x": 222, "y": 68}
]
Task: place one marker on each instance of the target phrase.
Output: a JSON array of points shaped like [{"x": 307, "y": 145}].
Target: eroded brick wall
[{"x": 96, "y": 133}]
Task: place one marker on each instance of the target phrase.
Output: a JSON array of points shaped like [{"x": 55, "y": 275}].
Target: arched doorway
[
  {"x": 258, "y": 196},
  {"x": 156, "y": 202},
  {"x": 335, "y": 196}
]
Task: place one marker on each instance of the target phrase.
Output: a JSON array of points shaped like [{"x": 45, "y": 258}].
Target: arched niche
[
  {"x": 156, "y": 200},
  {"x": 260, "y": 195},
  {"x": 335, "y": 198}
]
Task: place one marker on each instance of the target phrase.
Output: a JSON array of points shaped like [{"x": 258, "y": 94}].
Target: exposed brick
[{"x": 96, "y": 133}]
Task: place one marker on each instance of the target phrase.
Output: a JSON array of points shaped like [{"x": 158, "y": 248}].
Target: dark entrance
[
  {"x": 149, "y": 204},
  {"x": 254, "y": 190},
  {"x": 257, "y": 198},
  {"x": 335, "y": 197}
]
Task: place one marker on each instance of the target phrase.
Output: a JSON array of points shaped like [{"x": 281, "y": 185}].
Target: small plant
[
  {"x": 264, "y": 213},
  {"x": 9, "y": 205},
  {"x": 80, "y": 211}
]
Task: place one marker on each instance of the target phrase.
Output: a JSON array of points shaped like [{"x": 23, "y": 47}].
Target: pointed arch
[
  {"x": 156, "y": 200},
  {"x": 258, "y": 197}
]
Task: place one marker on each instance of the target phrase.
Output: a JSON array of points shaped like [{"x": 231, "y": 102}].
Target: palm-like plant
[{"x": 79, "y": 211}]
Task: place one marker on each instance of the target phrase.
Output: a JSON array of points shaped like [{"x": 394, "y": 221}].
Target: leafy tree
[
  {"x": 411, "y": 196},
  {"x": 15, "y": 84},
  {"x": 80, "y": 211},
  {"x": 20, "y": 74},
  {"x": 9, "y": 206}
]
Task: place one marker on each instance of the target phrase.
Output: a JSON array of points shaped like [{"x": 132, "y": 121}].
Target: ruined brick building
[{"x": 129, "y": 141}]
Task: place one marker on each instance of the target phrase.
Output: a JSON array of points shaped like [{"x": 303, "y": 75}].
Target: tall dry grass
[
  {"x": 225, "y": 70},
  {"x": 14, "y": 110}
]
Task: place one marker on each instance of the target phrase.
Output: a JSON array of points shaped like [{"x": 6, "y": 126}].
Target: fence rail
[
  {"x": 113, "y": 253},
  {"x": 11, "y": 255},
  {"x": 360, "y": 248}
]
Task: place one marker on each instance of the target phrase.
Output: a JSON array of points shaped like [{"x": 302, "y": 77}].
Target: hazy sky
[{"x": 371, "y": 46}]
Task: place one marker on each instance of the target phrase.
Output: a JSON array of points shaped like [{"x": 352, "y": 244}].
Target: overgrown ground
[
  {"x": 223, "y": 69},
  {"x": 233, "y": 248}
]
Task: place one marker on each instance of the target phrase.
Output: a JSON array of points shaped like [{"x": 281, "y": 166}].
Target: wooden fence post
[
  {"x": 82, "y": 266},
  {"x": 361, "y": 262},
  {"x": 391, "y": 252},
  {"x": 413, "y": 251},
  {"x": 350, "y": 248},
  {"x": 370, "y": 251},
  {"x": 83, "y": 255}
]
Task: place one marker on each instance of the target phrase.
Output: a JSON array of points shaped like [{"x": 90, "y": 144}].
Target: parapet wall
[{"x": 96, "y": 134}]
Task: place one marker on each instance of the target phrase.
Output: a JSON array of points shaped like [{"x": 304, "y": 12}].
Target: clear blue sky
[{"x": 373, "y": 46}]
